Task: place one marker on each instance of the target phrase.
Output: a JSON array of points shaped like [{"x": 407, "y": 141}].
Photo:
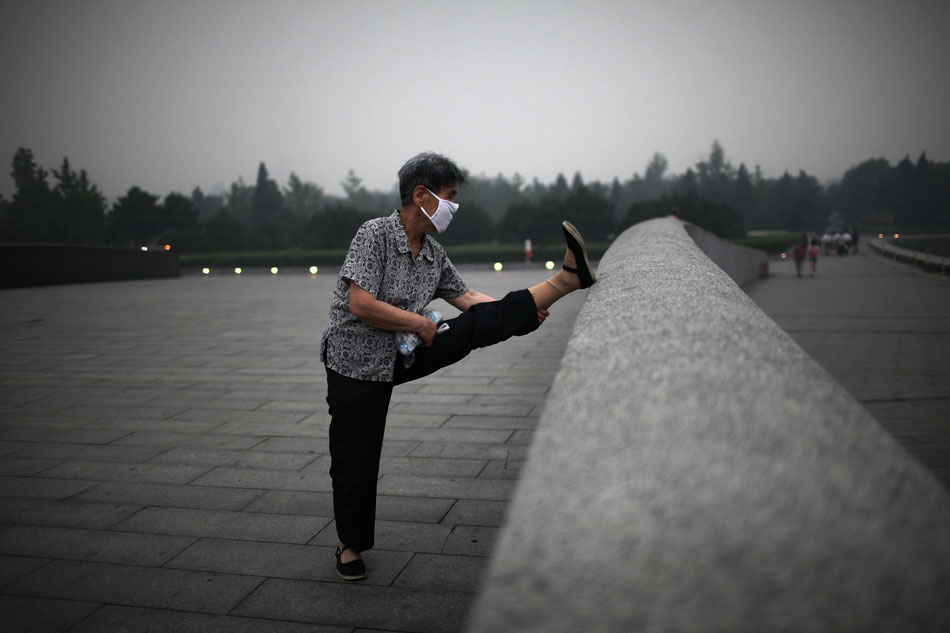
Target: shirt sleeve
[
  {"x": 364, "y": 261},
  {"x": 451, "y": 284}
]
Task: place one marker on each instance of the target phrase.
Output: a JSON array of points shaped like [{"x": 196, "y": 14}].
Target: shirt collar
[{"x": 402, "y": 240}]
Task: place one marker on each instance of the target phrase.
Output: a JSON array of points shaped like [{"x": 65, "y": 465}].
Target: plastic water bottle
[{"x": 407, "y": 342}]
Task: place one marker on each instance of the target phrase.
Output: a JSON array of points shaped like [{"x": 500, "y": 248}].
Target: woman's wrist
[{"x": 420, "y": 322}]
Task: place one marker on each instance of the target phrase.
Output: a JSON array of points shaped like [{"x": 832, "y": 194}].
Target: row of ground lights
[
  {"x": 314, "y": 270},
  {"x": 274, "y": 270}
]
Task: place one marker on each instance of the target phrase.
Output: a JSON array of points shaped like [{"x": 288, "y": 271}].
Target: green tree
[
  {"x": 742, "y": 197},
  {"x": 590, "y": 212},
  {"x": 924, "y": 200},
  {"x": 222, "y": 232},
  {"x": 559, "y": 189},
  {"x": 78, "y": 210},
  {"x": 334, "y": 227},
  {"x": 809, "y": 211},
  {"x": 939, "y": 196},
  {"x": 353, "y": 187},
  {"x": 470, "y": 225},
  {"x": 266, "y": 202},
  {"x": 577, "y": 183},
  {"x": 617, "y": 197},
  {"x": 493, "y": 195},
  {"x": 180, "y": 227},
  {"x": 238, "y": 201},
  {"x": 179, "y": 212},
  {"x": 866, "y": 194},
  {"x": 302, "y": 198},
  {"x": 372, "y": 203},
  {"x": 719, "y": 219},
  {"x": 931, "y": 193},
  {"x": 537, "y": 220},
  {"x": 27, "y": 216},
  {"x": 715, "y": 175},
  {"x": 782, "y": 198},
  {"x": 535, "y": 190},
  {"x": 906, "y": 202},
  {"x": 207, "y": 205},
  {"x": 4, "y": 218},
  {"x": 135, "y": 219},
  {"x": 653, "y": 183},
  {"x": 687, "y": 184},
  {"x": 70, "y": 212}
]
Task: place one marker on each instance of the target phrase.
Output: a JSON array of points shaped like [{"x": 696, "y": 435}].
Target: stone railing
[
  {"x": 742, "y": 263},
  {"x": 695, "y": 470},
  {"x": 887, "y": 248},
  {"x": 24, "y": 265}
]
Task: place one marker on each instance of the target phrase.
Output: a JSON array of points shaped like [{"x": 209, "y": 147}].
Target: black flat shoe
[
  {"x": 353, "y": 570},
  {"x": 584, "y": 271}
]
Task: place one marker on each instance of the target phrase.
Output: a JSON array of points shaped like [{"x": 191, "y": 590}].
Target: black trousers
[{"x": 358, "y": 407}]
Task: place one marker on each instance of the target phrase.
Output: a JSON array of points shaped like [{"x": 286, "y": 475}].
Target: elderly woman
[{"x": 392, "y": 271}]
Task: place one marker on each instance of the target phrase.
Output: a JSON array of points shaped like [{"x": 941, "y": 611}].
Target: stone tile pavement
[
  {"x": 163, "y": 461},
  {"x": 163, "y": 458},
  {"x": 882, "y": 329}
]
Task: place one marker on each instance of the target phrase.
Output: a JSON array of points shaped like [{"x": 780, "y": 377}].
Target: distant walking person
[
  {"x": 392, "y": 270},
  {"x": 813, "y": 256},
  {"x": 854, "y": 240},
  {"x": 799, "y": 254}
]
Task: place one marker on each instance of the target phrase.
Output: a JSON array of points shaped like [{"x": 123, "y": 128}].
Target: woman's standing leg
[{"x": 358, "y": 420}]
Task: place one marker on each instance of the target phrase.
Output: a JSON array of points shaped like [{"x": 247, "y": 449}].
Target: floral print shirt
[{"x": 380, "y": 262}]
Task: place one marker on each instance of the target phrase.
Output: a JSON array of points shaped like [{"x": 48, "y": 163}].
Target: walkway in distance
[{"x": 882, "y": 329}]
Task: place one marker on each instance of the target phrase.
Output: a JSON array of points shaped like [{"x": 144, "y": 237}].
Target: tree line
[{"x": 64, "y": 206}]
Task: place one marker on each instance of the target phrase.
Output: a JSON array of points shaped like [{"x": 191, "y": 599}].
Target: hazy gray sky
[{"x": 168, "y": 95}]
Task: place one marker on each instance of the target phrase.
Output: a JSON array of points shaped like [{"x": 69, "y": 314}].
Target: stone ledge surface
[{"x": 695, "y": 470}]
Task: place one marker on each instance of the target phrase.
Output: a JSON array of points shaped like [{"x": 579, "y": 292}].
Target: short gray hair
[{"x": 432, "y": 171}]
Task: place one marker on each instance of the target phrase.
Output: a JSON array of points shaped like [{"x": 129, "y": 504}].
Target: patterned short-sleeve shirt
[{"x": 381, "y": 263}]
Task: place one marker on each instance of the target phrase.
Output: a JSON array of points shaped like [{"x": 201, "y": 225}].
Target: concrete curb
[{"x": 914, "y": 258}]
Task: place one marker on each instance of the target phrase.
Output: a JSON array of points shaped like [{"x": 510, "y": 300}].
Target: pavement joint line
[
  {"x": 402, "y": 569},
  {"x": 868, "y": 317},
  {"x": 799, "y": 330},
  {"x": 449, "y": 510},
  {"x": 907, "y": 399},
  {"x": 487, "y": 462},
  {"x": 248, "y": 595}
]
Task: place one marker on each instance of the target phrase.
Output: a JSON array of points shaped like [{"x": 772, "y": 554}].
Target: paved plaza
[
  {"x": 882, "y": 329},
  {"x": 164, "y": 461},
  {"x": 164, "y": 455}
]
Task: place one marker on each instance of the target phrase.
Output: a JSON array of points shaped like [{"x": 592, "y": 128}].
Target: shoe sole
[
  {"x": 358, "y": 577},
  {"x": 574, "y": 233}
]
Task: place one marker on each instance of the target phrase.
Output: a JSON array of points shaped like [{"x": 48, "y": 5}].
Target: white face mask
[{"x": 443, "y": 215}]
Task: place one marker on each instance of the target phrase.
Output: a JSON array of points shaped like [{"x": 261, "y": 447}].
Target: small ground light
[
  {"x": 549, "y": 265},
  {"x": 273, "y": 270},
  {"x": 168, "y": 247},
  {"x": 206, "y": 271},
  {"x": 145, "y": 248},
  {"x": 880, "y": 236},
  {"x": 897, "y": 235},
  {"x": 314, "y": 270},
  {"x": 498, "y": 266},
  {"x": 784, "y": 255},
  {"x": 237, "y": 271}
]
